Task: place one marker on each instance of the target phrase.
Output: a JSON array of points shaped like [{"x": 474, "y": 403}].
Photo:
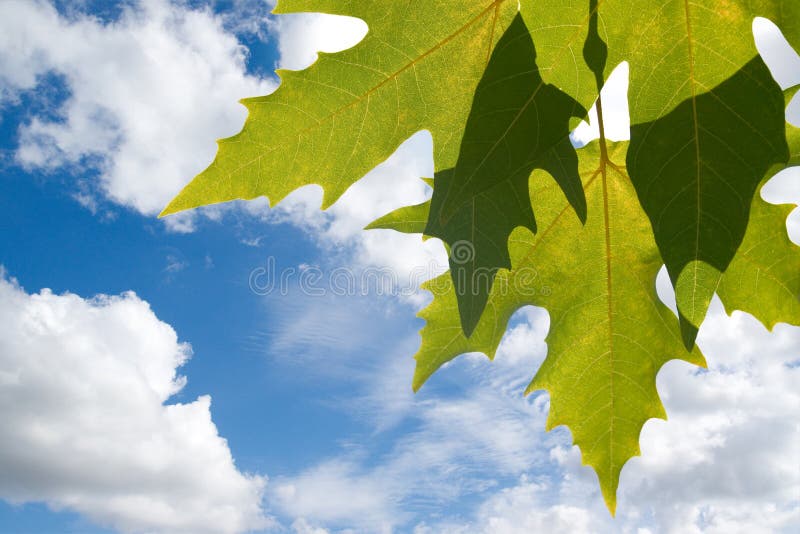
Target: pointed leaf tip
[
  {"x": 170, "y": 209},
  {"x": 611, "y": 502}
]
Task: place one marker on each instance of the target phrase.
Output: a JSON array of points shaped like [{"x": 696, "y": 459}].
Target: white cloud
[
  {"x": 334, "y": 492},
  {"x": 175, "y": 264},
  {"x": 303, "y": 35},
  {"x": 148, "y": 94},
  {"x": 83, "y": 387},
  {"x": 520, "y": 509},
  {"x": 725, "y": 461},
  {"x": 247, "y": 17},
  {"x": 729, "y": 450},
  {"x": 782, "y": 60},
  {"x": 700, "y": 471},
  {"x": 340, "y": 230},
  {"x": 301, "y": 526}
]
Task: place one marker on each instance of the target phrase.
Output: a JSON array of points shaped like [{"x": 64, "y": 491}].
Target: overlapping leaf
[
  {"x": 417, "y": 69},
  {"x": 679, "y": 49},
  {"x": 682, "y": 55},
  {"x": 517, "y": 123},
  {"x": 696, "y": 171},
  {"x": 332, "y": 123},
  {"x": 499, "y": 85},
  {"x": 609, "y": 332},
  {"x": 764, "y": 277},
  {"x": 617, "y": 327},
  {"x": 695, "y": 190}
]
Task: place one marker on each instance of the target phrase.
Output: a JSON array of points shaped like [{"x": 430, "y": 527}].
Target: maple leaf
[
  {"x": 682, "y": 88},
  {"x": 696, "y": 189},
  {"x": 609, "y": 332},
  {"x": 416, "y": 69},
  {"x": 598, "y": 283},
  {"x": 333, "y": 122},
  {"x": 764, "y": 277},
  {"x": 696, "y": 171},
  {"x": 679, "y": 49},
  {"x": 556, "y": 270},
  {"x": 641, "y": 334},
  {"x": 725, "y": 133}
]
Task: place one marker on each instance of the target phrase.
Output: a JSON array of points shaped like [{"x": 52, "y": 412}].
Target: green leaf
[
  {"x": 696, "y": 171},
  {"x": 764, "y": 277},
  {"x": 517, "y": 124},
  {"x": 335, "y": 121},
  {"x": 609, "y": 332},
  {"x": 691, "y": 178},
  {"x": 408, "y": 220},
  {"x": 679, "y": 52},
  {"x": 679, "y": 49},
  {"x": 416, "y": 69}
]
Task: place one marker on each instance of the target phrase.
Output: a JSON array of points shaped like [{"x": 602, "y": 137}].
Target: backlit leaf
[
  {"x": 696, "y": 171},
  {"x": 609, "y": 332}
]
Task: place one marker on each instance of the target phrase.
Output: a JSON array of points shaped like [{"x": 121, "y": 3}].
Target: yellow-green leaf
[
  {"x": 764, "y": 277},
  {"x": 609, "y": 332},
  {"x": 416, "y": 69},
  {"x": 696, "y": 171},
  {"x": 517, "y": 123}
]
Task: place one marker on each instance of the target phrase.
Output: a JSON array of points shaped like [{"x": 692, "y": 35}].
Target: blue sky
[{"x": 147, "y": 387}]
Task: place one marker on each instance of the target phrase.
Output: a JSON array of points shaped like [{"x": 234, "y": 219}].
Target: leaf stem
[{"x": 602, "y": 127}]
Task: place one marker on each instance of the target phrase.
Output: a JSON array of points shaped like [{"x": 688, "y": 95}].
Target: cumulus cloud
[
  {"x": 728, "y": 455},
  {"x": 148, "y": 94},
  {"x": 723, "y": 460},
  {"x": 83, "y": 390},
  {"x": 520, "y": 509}
]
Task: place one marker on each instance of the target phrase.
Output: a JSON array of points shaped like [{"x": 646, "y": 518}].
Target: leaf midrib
[{"x": 695, "y": 119}]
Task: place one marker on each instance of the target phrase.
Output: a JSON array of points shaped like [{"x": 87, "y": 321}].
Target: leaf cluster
[{"x": 500, "y": 84}]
